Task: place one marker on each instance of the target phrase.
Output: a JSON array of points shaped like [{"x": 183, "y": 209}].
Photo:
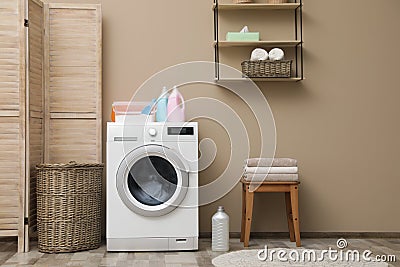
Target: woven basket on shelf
[
  {"x": 267, "y": 69},
  {"x": 69, "y": 207}
]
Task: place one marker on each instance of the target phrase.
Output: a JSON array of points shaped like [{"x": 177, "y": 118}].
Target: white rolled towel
[
  {"x": 259, "y": 54},
  {"x": 276, "y": 54}
]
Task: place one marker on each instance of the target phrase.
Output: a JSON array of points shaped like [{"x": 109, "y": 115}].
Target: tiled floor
[{"x": 203, "y": 257}]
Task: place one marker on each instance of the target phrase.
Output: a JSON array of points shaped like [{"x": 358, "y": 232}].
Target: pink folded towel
[
  {"x": 266, "y": 170},
  {"x": 273, "y": 162},
  {"x": 275, "y": 177}
]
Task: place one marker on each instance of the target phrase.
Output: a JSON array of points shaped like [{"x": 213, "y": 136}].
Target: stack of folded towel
[{"x": 271, "y": 170}]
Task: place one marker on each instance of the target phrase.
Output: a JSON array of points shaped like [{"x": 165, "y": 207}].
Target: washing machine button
[{"x": 152, "y": 132}]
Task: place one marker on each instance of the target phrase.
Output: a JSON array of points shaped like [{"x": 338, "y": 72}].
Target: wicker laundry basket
[
  {"x": 69, "y": 207},
  {"x": 267, "y": 68}
]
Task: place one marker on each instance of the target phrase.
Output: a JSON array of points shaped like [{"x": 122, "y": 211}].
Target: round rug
[{"x": 245, "y": 258}]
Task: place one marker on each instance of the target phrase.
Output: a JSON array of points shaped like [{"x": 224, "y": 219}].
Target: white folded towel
[
  {"x": 276, "y": 54},
  {"x": 265, "y": 170},
  {"x": 291, "y": 177},
  {"x": 259, "y": 54},
  {"x": 267, "y": 162}
]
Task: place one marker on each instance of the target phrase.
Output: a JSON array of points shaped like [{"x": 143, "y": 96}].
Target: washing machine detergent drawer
[{"x": 152, "y": 244}]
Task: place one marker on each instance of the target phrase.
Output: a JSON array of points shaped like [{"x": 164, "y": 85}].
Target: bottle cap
[{"x": 164, "y": 92}]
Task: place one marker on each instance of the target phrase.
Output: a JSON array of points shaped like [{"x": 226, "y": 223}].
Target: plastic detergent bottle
[
  {"x": 176, "y": 106},
  {"x": 220, "y": 230},
  {"x": 162, "y": 102}
]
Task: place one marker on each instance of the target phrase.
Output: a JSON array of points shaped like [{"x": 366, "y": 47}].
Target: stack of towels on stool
[{"x": 271, "y": 170}]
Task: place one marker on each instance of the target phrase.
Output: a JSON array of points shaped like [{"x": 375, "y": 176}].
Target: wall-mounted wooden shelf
[
  {"x": 286, "y": 6},
  {"x": 292, "y": 79},
  {"x": 284, "y": 43},
  {"x": 295, "y": 46}
]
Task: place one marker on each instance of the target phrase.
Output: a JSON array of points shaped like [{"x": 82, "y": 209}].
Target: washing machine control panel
[
  {"x": 180, "y": 131},
  {"x": 152, "y": 132}
]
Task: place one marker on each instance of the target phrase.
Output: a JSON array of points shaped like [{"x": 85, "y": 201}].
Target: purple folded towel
[
  {"x": 273, "y": 162},
  {"x": 274, "y": 177}
]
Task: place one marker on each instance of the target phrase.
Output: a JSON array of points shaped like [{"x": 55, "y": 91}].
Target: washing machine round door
[{"x": 152, "y": 180}]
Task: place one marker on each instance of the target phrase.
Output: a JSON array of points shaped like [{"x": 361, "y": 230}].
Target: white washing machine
[{"x": 152, "y": 186}]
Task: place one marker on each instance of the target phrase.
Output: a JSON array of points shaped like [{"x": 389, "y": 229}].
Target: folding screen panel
[{"x": 12, "y": 119}]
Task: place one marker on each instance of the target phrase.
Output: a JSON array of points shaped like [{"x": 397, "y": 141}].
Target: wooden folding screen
[
  {"x": 65, "y": 66},
  {"x": 72, "y": 76},
  {"x": 56, "y": 117},
  {"x": 72, "y": 67},
  {"x": 12, "y": 119},
  {"x": 35, "y": 126}
]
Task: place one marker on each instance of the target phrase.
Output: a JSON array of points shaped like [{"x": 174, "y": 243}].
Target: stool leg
[
  {"x": 242, "y": 228},
  {"x": 289, "y": 216},
  {"x": 249, "y": 215},
  {"x": 294, "y": 197}
]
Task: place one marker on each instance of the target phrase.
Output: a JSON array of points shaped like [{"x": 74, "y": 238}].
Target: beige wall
[{"x": 341, "y": 123}]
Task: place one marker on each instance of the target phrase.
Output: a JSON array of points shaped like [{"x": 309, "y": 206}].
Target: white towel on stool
[
  {"x": 265, "y": 170},
  {"x": 266, "y": 162},
  {"x": 259, "y": 54},
  {"x": 276, "y": 54},
  {"x": 274, "y": 177}
]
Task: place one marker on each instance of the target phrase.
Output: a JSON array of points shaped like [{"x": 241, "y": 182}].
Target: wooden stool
[{"x": 292, "y": 207}]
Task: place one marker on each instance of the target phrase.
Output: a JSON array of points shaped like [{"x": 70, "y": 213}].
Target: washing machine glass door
[{"x": 152, "y": 180}]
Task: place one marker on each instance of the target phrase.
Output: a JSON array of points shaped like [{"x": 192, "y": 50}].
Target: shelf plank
[
  {"x": 285, "y": 6},
  {"x": 292, "y": 79},
  {"x": 284, "y": 43}
]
